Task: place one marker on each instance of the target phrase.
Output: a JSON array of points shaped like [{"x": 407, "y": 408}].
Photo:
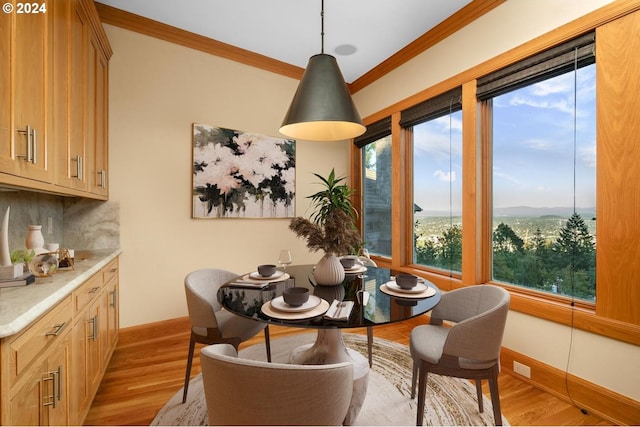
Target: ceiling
[{"x": 290, "y": 30}]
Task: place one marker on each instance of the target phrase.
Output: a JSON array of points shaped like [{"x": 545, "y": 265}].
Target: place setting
[
  {"x": 265, "y": 275},
  {"x": 295, "y": 303},
  {"x": 352, "y": 265},
  {"x": 408, "y": 286}
]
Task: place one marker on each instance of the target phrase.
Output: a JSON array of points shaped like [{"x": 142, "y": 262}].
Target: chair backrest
[
  {"x": 241, "y": 391},
  {"x": 480, "y": 314},
  {"x": 201, "y": 288}
]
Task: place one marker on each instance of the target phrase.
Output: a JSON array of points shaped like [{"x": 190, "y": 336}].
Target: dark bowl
[
  {"x": 347, "y": 262},
  {"x": 266, "y": 270},
  {"x": 406, "y": 281},
  {"x": 295, "y": 296}
]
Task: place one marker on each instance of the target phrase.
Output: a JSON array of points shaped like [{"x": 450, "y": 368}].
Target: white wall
[
  {"x": 609, "y": 363},
  {"x": 157, "y": 90}
]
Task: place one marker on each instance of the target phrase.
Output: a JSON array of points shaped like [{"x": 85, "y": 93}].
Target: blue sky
[{"x": 533, "y": 146}]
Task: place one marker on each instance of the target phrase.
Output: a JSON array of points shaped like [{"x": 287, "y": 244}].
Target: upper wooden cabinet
[
  {"x": 53, "y": 119},
  {"x": 25, "y": 147}
]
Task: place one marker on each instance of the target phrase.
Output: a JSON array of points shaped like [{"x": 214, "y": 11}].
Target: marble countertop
[{"x": 21, "y": 305}]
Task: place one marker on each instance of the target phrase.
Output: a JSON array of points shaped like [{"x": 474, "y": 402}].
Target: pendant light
[{"x": 322, "y": 108}]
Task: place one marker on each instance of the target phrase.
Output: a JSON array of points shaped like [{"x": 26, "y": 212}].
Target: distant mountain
[{"x": 523, "y": 211}]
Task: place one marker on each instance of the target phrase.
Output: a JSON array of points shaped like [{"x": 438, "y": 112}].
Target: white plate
[
  {"x": 258, "y": 276},
  {"x": 358, "y": 268},
  {"x": 425, "y": 294},
  {"x": 268, "y": 310},
  {"x": 279, "y": 304},
  {"x": 418, "y": 288}
]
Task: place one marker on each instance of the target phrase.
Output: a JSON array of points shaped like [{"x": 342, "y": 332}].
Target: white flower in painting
[
  {"x": 246, "y": 140},
  {"x": 289, "y": 178},
  {"x": 258, "y": 161},
  {"x": 221, "y": 164}
]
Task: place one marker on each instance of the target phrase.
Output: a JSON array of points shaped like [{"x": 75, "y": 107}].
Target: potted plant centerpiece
[{"x": 331, "y": 228}]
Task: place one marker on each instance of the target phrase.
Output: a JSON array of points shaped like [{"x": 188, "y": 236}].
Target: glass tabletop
[{"x": 371, "y": 304}]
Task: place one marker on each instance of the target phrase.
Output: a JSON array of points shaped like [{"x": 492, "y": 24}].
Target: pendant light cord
[{"x": 322, "y": 26}]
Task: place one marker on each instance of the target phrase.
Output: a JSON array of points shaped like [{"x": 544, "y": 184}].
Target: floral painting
[{"x": 242, "y": 175}]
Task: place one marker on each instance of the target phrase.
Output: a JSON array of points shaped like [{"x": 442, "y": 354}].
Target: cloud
[{"x": 445, "y": 176}]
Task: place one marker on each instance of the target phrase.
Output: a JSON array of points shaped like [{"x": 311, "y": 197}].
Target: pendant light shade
[{"x": 322, "y": 108}]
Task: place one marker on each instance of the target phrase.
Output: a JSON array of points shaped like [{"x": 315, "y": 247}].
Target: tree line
[{"x": 564, "y": 266}]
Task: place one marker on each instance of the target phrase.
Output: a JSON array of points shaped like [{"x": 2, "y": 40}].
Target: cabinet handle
[
  {"x": 34, "y": 150},
  {"x": 103, "y": 178},
  {"x": 59, "y": 327},
  {"x": 94, "y": 326},
  {"x": 78, "y": 160},
  {"x": 56, "y": 390},
  {"x": 27, "y": 131},
  {"x": 94, "y": 290},
  {"x": 114, "y": 298}
]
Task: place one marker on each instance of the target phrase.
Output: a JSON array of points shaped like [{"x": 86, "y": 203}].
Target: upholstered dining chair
[
  {"x": 248, "y": 392},
  {"x": 468, "y": 349},
  {"x": 210, "y": 323}
]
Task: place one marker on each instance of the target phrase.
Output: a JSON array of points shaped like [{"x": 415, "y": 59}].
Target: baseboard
[{"x": 614, "y": 407}]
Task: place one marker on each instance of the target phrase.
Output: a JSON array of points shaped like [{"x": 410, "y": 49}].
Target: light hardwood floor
[{"x": 148, "y": 366}]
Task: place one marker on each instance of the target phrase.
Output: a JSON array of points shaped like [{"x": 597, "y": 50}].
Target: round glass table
[{"x": 370, "y": 298}]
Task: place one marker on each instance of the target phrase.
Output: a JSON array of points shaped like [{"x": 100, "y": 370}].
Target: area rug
[{"x": 450, "y": 401}]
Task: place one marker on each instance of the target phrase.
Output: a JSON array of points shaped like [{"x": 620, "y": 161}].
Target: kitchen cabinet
[
  {"x": 35, "y": 371},
  {"x": 51, "y": 369},
  {"x": 83, "y": 164},
  {"x": 95, "y": 336},
  {"x": 54, "y": 117},
  {"x": 25, "y": 149}
]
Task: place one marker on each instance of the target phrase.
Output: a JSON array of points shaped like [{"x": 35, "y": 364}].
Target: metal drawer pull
[
  {"x": 103, "y": 178},
  {"x": 78, "y": 174},
  {"x": 94, "y": 290},
  {"x": 114, "y": 298},
  {"x": 94, "y": 326},
  {"x": 59, "y": 327},
  {"x": 29, "y": 156},
  {"x": 56, "y": 390}
]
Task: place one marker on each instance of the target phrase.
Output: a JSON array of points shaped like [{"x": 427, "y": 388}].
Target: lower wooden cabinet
[{"x": 52, "y": 369}]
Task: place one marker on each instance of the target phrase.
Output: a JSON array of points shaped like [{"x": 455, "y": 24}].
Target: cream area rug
[{"x": 450, "y": 401}]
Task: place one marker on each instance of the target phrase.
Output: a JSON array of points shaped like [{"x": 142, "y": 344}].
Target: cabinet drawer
[
  {"x": 110, "y": 271},
  {"x": 39, "y": 336},
  {"x": 87, "y": 292}
]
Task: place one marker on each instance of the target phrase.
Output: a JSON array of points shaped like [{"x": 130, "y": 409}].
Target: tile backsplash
[{"x": 73, "y": 222}]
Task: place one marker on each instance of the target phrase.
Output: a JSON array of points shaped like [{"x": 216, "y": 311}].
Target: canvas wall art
[{"x": 242, "y": 175}]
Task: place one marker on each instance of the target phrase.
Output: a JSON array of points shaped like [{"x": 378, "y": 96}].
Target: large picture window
[
  {"x": 544, "y": 176},
  {"x": 375, "y": 147},
  {"x": 437, "y": 180}
]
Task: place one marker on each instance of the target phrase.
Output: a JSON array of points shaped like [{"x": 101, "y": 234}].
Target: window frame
[{"x": 476, "y": 263}]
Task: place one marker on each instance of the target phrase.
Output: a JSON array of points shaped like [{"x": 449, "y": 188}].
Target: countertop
[{"x": 21, "y": 305}]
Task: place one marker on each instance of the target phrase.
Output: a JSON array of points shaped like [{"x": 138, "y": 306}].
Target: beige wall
[
  {"x": 593, "y": 357},
  {"x": 157, "y": 90}
]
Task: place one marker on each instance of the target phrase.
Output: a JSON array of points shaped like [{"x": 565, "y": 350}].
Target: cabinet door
[
  {"x": 6, "y": 145},
  {"x": 30, "y": 93},
  {"x": 111, "y": 322},
  {"x": 57, "y": 385},
  {"x": 27, "y": 403},
  {"x": 72, "y": 160},
  {"x": 99, "y": 97}
]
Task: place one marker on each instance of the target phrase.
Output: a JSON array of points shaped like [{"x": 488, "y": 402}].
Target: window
[
  {"x": 437, "y": 180},
  {"x": 375, "y": 147},
  {"x": 543, "y": 173}
]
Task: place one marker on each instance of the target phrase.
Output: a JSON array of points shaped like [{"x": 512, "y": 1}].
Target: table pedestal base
[{"x": 329, "y": 348}]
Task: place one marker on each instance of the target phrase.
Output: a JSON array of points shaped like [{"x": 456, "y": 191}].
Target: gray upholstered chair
[
  {"x": 468, "y": 349},
  {"x": 248, "y": 392},
  {"x": 210, "y": 323}
]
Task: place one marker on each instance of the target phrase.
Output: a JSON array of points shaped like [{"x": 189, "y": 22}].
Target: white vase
[
  {"x": 35, "y": 239},
  {"x": 329, "y": 271},
  {"x": 5, "y": 255}
]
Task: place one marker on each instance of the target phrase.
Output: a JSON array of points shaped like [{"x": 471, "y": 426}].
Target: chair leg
[
  {"x": 370, "y": 344},
  {"x": 414, "y": 377},
  {"x": 422, "y": 391},
  {"x": 479, "y": 393},
  {"x": 495, "y": 397},
  {"x": 192, "y": 346},
  {"x": 267, "y": 342}
]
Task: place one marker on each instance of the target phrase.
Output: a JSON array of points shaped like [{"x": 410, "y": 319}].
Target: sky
[{"x": 533, "y": 148}]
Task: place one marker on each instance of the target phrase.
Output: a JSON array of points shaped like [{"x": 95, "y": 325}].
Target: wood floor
[{"x": 148, "y": 366}]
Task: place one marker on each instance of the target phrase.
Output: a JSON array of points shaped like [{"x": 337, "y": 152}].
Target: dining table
[{"x": 367, "y": 297}]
